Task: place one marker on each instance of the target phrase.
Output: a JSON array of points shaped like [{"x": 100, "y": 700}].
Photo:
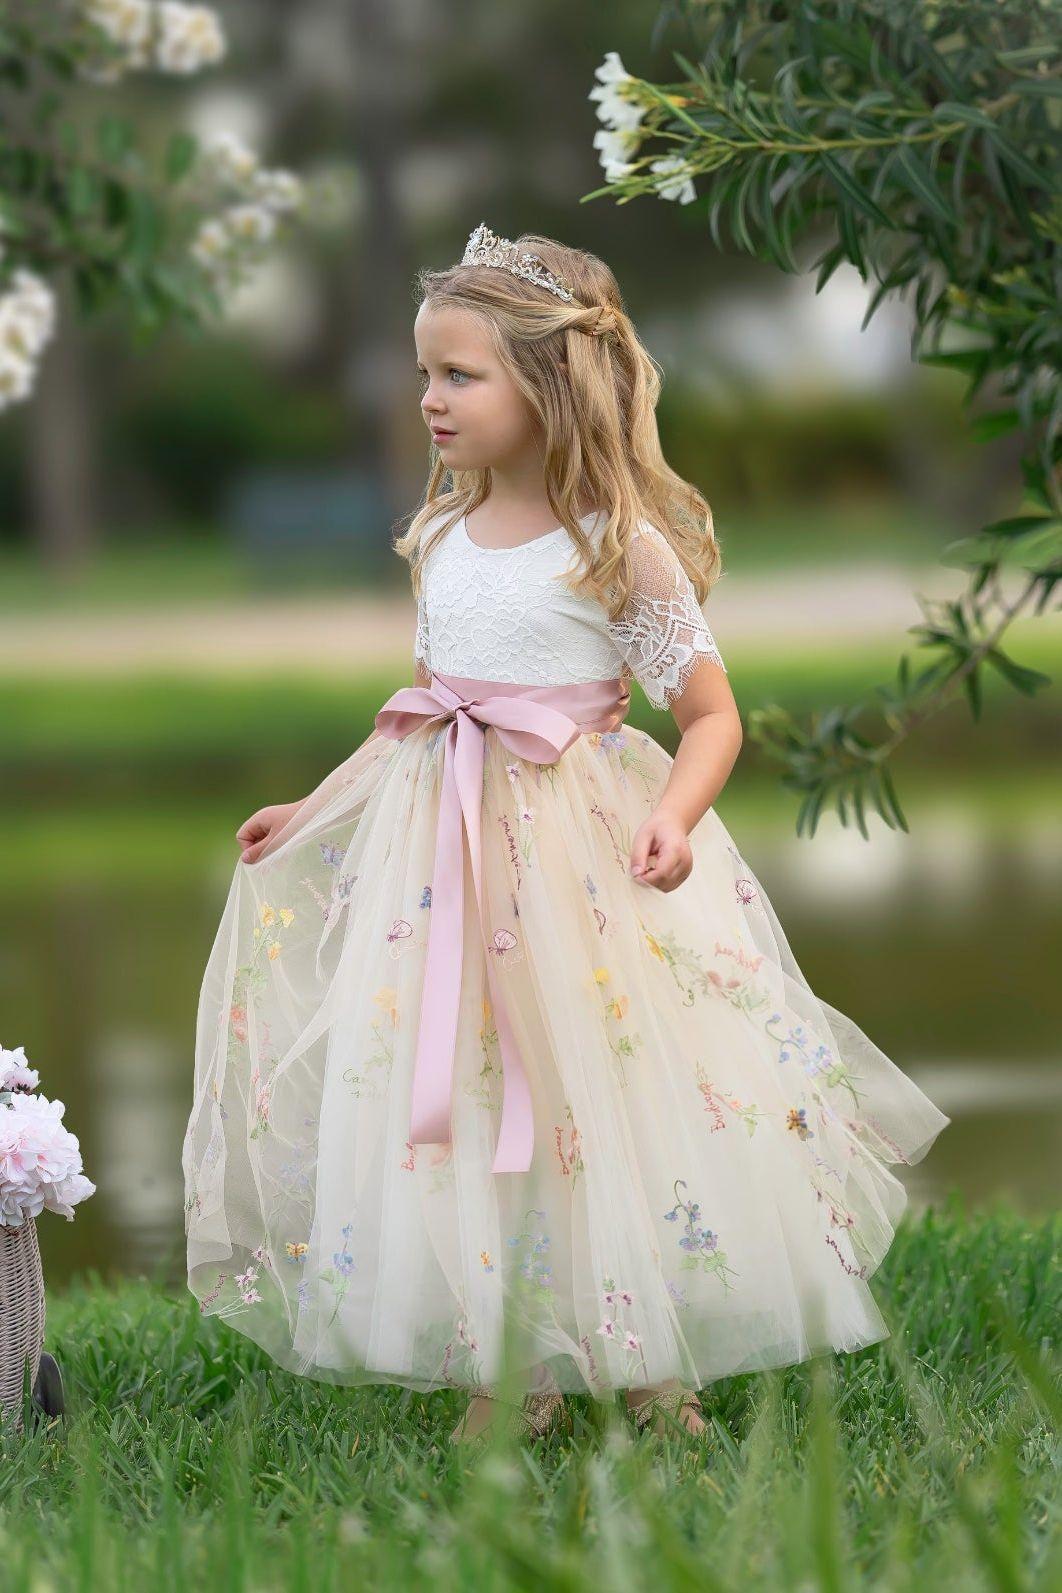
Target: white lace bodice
[{"x": 502, "y": 614}]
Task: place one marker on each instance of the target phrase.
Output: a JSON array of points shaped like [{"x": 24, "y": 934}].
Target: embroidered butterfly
[
  {"x": 400, "y": 937},
  {"x": 296, "y": 1249},
  {"x": 504, "y": 945}
]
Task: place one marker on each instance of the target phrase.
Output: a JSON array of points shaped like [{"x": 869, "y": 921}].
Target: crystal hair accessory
[{"x": 485, "y": 248}]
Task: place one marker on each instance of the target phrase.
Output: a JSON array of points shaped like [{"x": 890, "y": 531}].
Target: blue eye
[{"x": 422, "y": 376}]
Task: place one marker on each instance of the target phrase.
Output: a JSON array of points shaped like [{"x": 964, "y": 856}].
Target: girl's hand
[
  {"x": 255, "y": 834},
  {"x": 661, "y": 854}
]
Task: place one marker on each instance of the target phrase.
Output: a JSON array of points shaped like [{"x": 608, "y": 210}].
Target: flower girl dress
[{"x": 607, "y": 1129}]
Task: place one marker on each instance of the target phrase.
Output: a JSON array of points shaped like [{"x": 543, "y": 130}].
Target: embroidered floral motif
[
  {"x": 484, "y": 1088},
  {"x": 570, "y": 1158},
  {"x": 613, "y": 1329},
  {"x": 371, "y": 1082},
  {"x": 537, "y": 1273},
  {"x": 620, "y": 745},
  {"x": 338, "y": 1274},
  {"x": 616, "y": 1007},
  {"x": 820, "y": 1064},
  {"x": 700, "y": 1244}
]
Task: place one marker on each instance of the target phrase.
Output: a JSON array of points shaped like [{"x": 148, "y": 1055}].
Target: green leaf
[
  {"x": 920, "y": 182},
  {"x": 82, "y": 191},
  {"x": 1024, "y": 680},
  {"x": 181, "y": 152},
  {"x": 114, "y": 138},
  {"x": 1018, "y": 525},
  {"x": 986, "y": 427},
  {"x": 843, "y": 179}
]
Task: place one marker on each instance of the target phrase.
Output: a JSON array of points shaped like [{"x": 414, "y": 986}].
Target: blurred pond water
[{"x": 944, "y": 945}]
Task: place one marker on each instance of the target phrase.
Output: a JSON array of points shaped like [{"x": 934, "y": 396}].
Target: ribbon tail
[{"x": 433, "y": 1067}]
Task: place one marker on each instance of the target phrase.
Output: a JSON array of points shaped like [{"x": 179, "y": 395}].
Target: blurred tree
[
  {"x": 923, "y": 137},
  {"x": 88, "y": 204}
]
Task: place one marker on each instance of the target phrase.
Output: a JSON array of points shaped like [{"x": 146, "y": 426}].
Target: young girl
[{"x": 505, "y": 1073}]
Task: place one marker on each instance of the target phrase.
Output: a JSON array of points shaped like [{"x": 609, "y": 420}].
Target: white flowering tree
[
  {"x": 919, "y": 143},
  {"x": 84, "y": 194}
]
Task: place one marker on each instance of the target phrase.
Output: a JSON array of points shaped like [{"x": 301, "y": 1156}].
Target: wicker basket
[{"x": 21, "y": 1313}]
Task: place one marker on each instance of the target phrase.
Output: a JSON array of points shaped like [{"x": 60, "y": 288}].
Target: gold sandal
[
  {"x": 671, "y": 1402},
  {"x": 536, "y": 1416}
]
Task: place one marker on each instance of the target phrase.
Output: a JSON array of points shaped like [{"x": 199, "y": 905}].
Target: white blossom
[
  {"x": 615, "y": 107},
  {"x": 127, "y": 23},
  {"x": 231, "y": 158},
  {"x": 614, "y": 148},
  {"x": 277, "y": 189},
  {"x": 27, "y": 321},
  {"x": 189, "y": 37},
  {"x": 681, "y": 188},
  {"x": 251, "y": 223}
]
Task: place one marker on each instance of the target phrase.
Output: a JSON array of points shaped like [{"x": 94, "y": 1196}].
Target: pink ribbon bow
[{"x": 538, "y": 723}]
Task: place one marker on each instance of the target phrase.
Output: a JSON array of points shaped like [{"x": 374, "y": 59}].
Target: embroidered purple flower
[
  {"x": 700, "y": 1243},
  {"x": 607, "y": 1329}
]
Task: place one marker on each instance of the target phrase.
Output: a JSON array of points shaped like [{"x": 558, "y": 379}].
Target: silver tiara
[{"x": 487, "y": 249}]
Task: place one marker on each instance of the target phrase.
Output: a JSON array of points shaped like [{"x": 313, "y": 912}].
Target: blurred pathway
[{"x": 324, "y": 633}]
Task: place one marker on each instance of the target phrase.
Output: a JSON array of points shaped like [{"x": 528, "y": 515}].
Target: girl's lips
[{"x": 438, "y": 435}]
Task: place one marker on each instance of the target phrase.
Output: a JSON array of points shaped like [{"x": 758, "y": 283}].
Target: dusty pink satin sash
[{"x": 537, "y": 723}]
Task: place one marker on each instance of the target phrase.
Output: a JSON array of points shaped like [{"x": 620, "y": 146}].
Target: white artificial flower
[
  {"x": 40, "y": 1162},
  {"x": 233, "y": 160},
  {"x": 15, "y": 1070},
  {"x": 189, "y": 37},
  {"x": 615, "y": 108},
  {"x": 278, "y": 189},
  {"x": 681, "y": 188}
]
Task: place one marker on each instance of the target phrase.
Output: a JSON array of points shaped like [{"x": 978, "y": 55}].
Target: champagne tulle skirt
[{"x": 710, "y": 1189}]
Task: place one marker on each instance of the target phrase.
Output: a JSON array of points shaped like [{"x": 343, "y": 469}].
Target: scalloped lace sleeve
[{"x": 662, "y": 634}]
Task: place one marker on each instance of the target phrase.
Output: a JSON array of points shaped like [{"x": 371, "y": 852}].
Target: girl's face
[{"x": 477, "y": 415}]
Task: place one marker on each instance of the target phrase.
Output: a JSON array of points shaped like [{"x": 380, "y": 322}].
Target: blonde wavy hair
[{"x": 600, "y": 442}]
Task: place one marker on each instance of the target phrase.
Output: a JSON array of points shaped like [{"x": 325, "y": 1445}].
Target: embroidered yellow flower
[
  {"x": 619, "y": 1006},
  {"x": 387, "y": 998},
  {"x": 602, "y": 975},
  {"x": 266, "y": 914},
  {"x": 287, "y": 914},
  {"x": 274, "y": 950},
  {"x": 654, "y": 945}
]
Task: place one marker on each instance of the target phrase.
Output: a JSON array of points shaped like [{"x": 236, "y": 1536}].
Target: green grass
[{"x": 923, "y": 1462}]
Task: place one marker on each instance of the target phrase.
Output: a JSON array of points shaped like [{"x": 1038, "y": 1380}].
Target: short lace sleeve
[{"x": 662, "y": 633}]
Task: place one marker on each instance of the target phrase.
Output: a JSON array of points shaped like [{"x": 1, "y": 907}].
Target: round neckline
[{"x": 543, "y": 536}]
